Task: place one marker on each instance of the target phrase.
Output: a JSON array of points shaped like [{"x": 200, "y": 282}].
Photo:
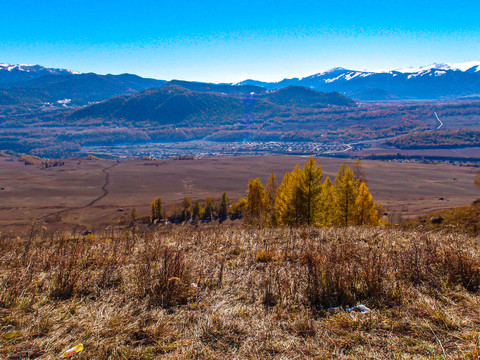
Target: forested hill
[
  {"x": 207, "y": 104},
  {"x": 437, "y": 140}
]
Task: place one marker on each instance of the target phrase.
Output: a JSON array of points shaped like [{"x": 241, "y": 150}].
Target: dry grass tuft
[{"x": 221, "y": 292}]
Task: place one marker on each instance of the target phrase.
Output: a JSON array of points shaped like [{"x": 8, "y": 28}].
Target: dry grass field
[
  {"x": 220, "y": 293},
  {"x": 90, "y": 192}
]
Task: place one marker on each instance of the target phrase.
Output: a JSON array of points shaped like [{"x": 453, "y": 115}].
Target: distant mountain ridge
[
  {"x": 31, "y": 86},
  {"x": 436, "y": 81}
]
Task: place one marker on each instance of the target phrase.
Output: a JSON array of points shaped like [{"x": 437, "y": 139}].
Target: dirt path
[
  {"x": 104, "y": 187},
  {"x": 105, "y": 193}
]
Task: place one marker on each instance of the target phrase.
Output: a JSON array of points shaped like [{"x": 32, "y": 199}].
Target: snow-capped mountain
[
  {"x": 10, "y": 74},
  {"x": 434, "y": 81},
  {"x": 471, "y": 66}
]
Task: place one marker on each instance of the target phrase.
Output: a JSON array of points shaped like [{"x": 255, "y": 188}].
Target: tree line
[
  {"x": 196, "y": 211},
  {"x": 303, "y": 198}
]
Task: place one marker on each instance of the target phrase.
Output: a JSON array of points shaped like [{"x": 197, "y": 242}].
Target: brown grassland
[
  {"x": 219, "y": 292},
  {"x": 89, "y": 192},
  {"x": 131, "y": 290}
]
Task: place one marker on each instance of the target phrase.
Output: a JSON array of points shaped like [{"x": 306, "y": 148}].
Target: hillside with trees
[
  {"x": 437, "y": 140},
  {"x": 197, "y": 103}
]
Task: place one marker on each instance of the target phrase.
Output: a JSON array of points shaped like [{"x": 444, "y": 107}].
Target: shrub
[{"x": 163, "y": 276}]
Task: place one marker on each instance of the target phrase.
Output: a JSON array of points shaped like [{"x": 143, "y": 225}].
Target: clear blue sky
[{"x": 225, "y": 41}]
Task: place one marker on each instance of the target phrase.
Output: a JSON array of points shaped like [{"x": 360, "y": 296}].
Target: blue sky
[{"x": 227, "y": 41}]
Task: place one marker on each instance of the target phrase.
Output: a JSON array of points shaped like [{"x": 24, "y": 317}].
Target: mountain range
[
  {"x": 33, "y": 86},
  {"x": 436, "y": 81},
  {"x": 25, "y": 87}
]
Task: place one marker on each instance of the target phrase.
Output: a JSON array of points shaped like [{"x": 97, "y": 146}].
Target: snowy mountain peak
[
  {"x": 35, "y": 69},
  {"x": 331, "y": 71},
  {"x": 466, "y": 66}
]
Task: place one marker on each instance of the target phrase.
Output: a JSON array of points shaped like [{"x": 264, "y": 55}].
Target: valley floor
[{"x": 97, "y": 193}]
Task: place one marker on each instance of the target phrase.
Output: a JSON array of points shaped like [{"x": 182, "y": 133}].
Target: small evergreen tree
[
  {"x": 197, "y": 211},
  {"x": 133, "y": 216},
  {"x": 187, "y": 209},
  {"x": 156, "y": 210},
  {"x": 223, "y": 208},
  {"x": 209, "y": 208}
]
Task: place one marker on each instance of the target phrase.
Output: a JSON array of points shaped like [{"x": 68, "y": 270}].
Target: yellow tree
[
  {"x": 271, "y": 189},
  {"x": 257, "y": 203},
  {"x": 309, "y": 190},
  {"x": 209, "y": 208},
  {"x": 282, "y": 198},
  {"x": 477, "y": 180},
  {"x": 366, "y": 212},
  {"x": 288, "y": 201},
  {"x": 239, "y": 208},
  {"x": 345, "y": 194},
  {"x": 325, "y": 213}
]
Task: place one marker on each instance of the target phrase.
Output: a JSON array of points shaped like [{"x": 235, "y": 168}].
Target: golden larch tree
[
  {"x": 257, "y": 203},
  {"x": 345, "y": 194},
  {"x": 310, "y": 188},
  {"x": 271, "y": 189},
  {"x": 325, "y": 215},
  {"x": 289, "y": 200},
  {"x": 366, "y": 212}
]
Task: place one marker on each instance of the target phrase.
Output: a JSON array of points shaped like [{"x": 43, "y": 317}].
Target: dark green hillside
[
  {"x": 175, "y": 104},
  {"x": 169, "y": 105}
]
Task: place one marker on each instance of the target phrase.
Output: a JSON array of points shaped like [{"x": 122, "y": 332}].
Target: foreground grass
[{"x": 222, "y": 293}]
